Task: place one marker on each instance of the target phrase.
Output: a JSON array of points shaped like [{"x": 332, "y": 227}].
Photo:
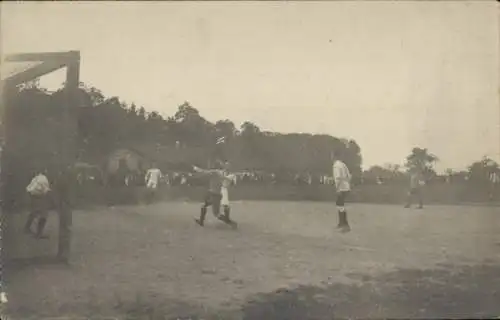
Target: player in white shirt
[
  {"x": 226, "y": 183},
  {"x": 342, "y": 178},
  {"x": 38, "y": 189},
  {"x": 152, "y": 178}
]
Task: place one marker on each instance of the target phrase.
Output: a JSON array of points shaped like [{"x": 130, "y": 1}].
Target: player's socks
[
  {"x": 226, "y": 217},
  {"x": 227, "y": 212},
  {"x": 339, "y": 224},
  {"x": 29, "y": 222},
  {"x": 41, "y": 225},
  {"x": 203, "y": 213},
  {"x": 343, "y": 223},
  {"x": 341, "y": 219}
]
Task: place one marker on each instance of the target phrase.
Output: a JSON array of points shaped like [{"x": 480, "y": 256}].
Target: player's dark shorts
[
  {"x": 39, "y": 205},
  {"x": 341, "y": 197},
  {"x": 213, "y": 199}
]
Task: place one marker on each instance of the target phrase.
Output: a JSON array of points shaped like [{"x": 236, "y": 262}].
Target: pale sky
[{"x": 391, "y": 75}]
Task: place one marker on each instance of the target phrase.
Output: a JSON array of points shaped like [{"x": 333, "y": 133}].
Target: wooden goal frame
[{"x": 40, "y": 64}]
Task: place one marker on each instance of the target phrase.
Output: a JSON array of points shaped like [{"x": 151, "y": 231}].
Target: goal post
[{"x": 20, "y": 68}]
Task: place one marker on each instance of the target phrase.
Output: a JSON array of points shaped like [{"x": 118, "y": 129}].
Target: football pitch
[{"x": 285, "y": 261}]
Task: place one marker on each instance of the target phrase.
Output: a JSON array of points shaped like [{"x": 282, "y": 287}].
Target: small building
[
  {"x": 140, "y": 158},
  {"x": 126, "y": 158}
]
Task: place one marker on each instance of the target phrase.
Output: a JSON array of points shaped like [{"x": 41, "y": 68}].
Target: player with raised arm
[{"x": 213, "y": 196}]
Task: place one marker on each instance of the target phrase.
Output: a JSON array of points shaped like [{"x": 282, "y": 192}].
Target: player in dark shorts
[
  {"x": 213, "y": 196},
  {"x": 342, "y": 178}
]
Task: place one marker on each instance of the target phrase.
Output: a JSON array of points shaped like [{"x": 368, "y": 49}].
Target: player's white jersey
[
  {"x": 226, "y": 183},
  {"x": 228, "y": 179},
  {"x": 342, "y": 176}
]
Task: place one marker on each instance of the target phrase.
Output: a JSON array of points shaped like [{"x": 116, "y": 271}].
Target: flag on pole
[{"x": 218, "y": 148}]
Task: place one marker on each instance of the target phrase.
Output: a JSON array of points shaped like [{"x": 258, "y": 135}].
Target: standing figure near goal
[
  {"x": 416, "y": 184},
  {"x": 342, "y": 178},
  {"x": 152, "y": 178},
  {"x": 213, "y": 196},
  {"x": 38, "y": 189}
]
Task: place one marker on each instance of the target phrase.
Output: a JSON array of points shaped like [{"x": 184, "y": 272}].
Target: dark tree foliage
[{"x": 104, "y": 124}]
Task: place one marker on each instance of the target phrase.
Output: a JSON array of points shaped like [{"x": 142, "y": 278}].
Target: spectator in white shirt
[
  {"x": 342, "y": 178},
  {"x": 38, "y": 189}
]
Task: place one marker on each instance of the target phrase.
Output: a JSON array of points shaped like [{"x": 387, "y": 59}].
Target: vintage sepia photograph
[{"x": 249, "y": 160}]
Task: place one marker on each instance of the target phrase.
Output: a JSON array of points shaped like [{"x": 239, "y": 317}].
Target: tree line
[{"x": 34, "y": 128}]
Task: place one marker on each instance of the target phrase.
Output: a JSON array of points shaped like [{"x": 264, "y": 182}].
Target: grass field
[{"x": 286, "y": 261}]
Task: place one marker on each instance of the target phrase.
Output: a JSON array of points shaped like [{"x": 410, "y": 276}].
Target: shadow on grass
[
  {"x": 446, "y": 292},
  {"x": 167, "y": 310},
  {"x": 143, "y": 307}
]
